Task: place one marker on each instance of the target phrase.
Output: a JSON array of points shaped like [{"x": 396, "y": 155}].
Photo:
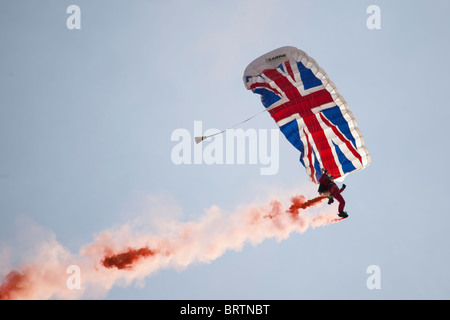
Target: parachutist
[
  {"x": 329, "y": 188},
  {"x": 312, "y": 115}
]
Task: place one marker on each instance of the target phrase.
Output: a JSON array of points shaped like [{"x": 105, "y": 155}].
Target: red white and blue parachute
[{"x": 310, "y": 112}]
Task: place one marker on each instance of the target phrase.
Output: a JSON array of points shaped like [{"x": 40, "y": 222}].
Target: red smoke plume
[
  {"x": 103, "y": 262},
  {"x": 300, "y": 202},
  {"x": 297, "y": 203},
  {"x": 15, "y": 282},
  {"x": 125, "y": 260}
]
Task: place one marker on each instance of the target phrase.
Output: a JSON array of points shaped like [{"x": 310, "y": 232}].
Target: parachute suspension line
[{"x": 200, "y": 139}]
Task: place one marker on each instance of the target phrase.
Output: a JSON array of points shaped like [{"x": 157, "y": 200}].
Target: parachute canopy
[{"x": 310, "y": 112}]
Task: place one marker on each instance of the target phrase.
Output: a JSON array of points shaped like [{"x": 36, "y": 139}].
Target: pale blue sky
[{"x": 86, "y": 118}]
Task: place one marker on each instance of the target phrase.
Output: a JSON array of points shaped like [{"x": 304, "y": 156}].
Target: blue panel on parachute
[
  {"x": 290, "y": 131},
  {"x": 308, "y": 78},
  {"x": 346, "y": 165},
  {"x": 335, "y": 116},
  {"x": 267, "y": 97}
]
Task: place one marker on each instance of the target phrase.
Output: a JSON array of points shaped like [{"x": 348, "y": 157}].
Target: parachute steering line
[{"x": 200, "y": 139}]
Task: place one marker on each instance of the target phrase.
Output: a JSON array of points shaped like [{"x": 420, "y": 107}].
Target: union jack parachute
[{"x": 310, "y": 112}]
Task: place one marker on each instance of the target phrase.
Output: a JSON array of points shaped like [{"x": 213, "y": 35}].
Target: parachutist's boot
[
  {"x": 330, "y": 200},
  {"x": 343, "y": 214}
]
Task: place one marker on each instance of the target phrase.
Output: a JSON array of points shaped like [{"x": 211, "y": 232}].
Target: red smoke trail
[
  {"x": 125, "y": 260},
  {"x": 298, "y": 202},
  {"x": 15, "y": 283},
  {"x": 123, "y": 255}
]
